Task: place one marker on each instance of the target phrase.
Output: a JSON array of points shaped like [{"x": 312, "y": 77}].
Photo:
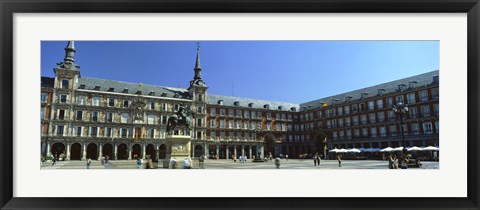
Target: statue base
[{"x": 178, "y": 152}]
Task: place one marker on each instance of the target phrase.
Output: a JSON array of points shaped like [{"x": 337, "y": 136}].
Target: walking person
[
  {"x": 201, "y": 161},
  {"x": 54, "y": 160},
  {"x": 395, "y": 162},
  {"x": 89, "y": 161},
  {"x": 277, "y": 162},
  {"x": 339, "y": 158},
  {"x": 286, "y": 157},
  {"x": 390, "y": 162},
  {"x": 318, "y": 159},
  {"x": 315, "y": 160}
]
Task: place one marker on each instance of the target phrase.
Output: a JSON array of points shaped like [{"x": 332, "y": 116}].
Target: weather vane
[{"x": 198, "y": 45}]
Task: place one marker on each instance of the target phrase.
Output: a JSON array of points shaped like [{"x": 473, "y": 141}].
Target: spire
[
  {"x": 198, "y": 68},
  {"x": 70, "y": 52}
]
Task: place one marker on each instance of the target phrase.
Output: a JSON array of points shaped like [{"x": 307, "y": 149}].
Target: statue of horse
[{"x": 173, "y": 121}]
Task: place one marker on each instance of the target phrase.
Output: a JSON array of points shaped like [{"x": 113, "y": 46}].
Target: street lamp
[{"x": 401, "y": 109}]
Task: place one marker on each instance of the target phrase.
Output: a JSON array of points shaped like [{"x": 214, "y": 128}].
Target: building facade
[{"x": 90, "y": 118}]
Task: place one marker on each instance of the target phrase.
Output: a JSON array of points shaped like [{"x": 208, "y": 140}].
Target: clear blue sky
[{"x": 286, "y": 71}]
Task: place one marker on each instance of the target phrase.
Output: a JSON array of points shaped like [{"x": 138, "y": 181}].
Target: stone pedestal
[{"x": 178, "y": 150}]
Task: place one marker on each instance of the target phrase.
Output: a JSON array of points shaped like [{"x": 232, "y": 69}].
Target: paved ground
[{"x": 228, "y": 164}]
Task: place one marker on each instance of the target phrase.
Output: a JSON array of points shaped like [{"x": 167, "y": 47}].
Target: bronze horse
[{"x": 173, "y": 121}]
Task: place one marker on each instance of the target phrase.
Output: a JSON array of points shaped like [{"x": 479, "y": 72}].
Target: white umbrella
[
  {"x": 342, "y": 151},
  {"x": 398, "y": 149},
  {"x": 334, "y": 150},
  {"x": 414, "y": 148},
  {"x": 354, "y": 150},
  {"x": 431, "y": 148},
  {"x": 388, "y": 149},
  {"x": 362, "y": 149}
]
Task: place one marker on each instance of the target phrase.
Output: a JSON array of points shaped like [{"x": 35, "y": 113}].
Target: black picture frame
[{"x": 10, "y": 7}]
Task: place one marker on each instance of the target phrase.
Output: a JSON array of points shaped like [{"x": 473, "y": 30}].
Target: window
[
  {"x": 239, "y": 113},
  {"x": 230, "y": 112},
  {"x": 123, "y": 133},
  {"x": 199, "y": 122},
  {"x": 423, "y": 95},
  {"x": 61, "y": 114},
  {"x": 347, "y": 121},
  {"x": 277, "y": 116},
  {"x": 199, "y": 135},
  {"x": 253, "y": 124},
  {"x": 239, "y": 135},
  {"x": 415, "y": 128},
  {"x": 391, "y": 115},
  {"x": 390, "y": 102},
  {"x": 434, "y": 93},
  {"x": 93, "y": 131},
  {"x": 81, "y": 100},
  {"x": 427, "y": 128},
  {"x": 364, "y": 118},
  {"x": 354, "y": 108},
  {"x": 269, "y": 115},
  {"x": 200, "y": 97},
  {"x": 222, "y": 123},
  {"x": 329, "y": 124},
  {"x": 42, "y": 113},
  {"x": 245, "y": 125},
  {"x": 237, "y": 124},
  {"x": 372, "y": 117},
  {"x": 222, "y": 135},
  {"x": 383, "y": 131},
  {"x": 43, "y": 98},
  {"x": 152, "y": 105},
  {"x": 335, "y": 135},
  {"x": 259, "y": 115},
  {"x": 65, "y": 84},
  {"x": 381, "y": 116},
  {"x": 380, "y": 103},
  {"x": 176, "y": 107},
  {"x": 269, "y": 126},
  {"x": 109, "y": 117},
  {"x": 96, "y": 101},
  {"x": 151, "y": 133},
  {"x": 319, "y": 115},
  {"x": 340, "y": 122},
  {"x": 79, "y": 131},
  {"x": 253, "y": 114},
  {"x": 362, "y": 107},
  {"x": 426, "y": 111},
  {"x": 212, "y": 123},
  {"x": 151, "y": 119},
  {"x": 356, "y": 132},
  {"x": 124, "y": 118},
  {"x": 231, "y": 136},
  {"x": 349, "y": 134},
  {"x": 339, "y": 110},
  {"x": 164, "y": 107},
  {"x": 411, "y": 98},
  {"x": 60, "y": 130},
  {"x": 373, "y": 131},
  {"x": 355, "y": 120},
  {"x": 364, "y": 132},
  {"x": 222, "y": 112},
  {"x": 125, "y": 103},
  {"x": 246, "y": 114},
  {"x": 94, "y": 116},
  {"x": 435, "y": 109},
  {"x": 399, "y": 98},
  {"x": 111, "y": 102},
  {"x": 108, "y": 132},
  {"x": 213, "y": 136},
  {"x": 63, "y": 98},
  {"x": 371, "y": 105},
  {"x": 199, "y": 110},
  {"x": 164, "y": 120},
  {"x": 413, "y": 112},
  {"x": 347, "y": 109},
  {"x": 212, "y": 112},
  {"x": 393, "y": 130}
]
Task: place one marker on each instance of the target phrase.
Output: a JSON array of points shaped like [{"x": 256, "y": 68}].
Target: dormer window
[
  {"x": 411, "y": 84},
  {"x": 363, "y": 95},
  {"x": 111, "y": 89},
  {"x": 236, "y": 103},
  {"x": 293, "y": 109},
  {"x": 176, "y": 95},
  {"x": 151, "y": 93},
  {"x": 81, "y": 87},
  {"x": 96, "y": 88},
  {"x": 435, "y": 79},
  {"x": 280, "y": 108},
  {"x": 266, "y": 106},
  {"x": 380, "y": 92},
  {"x": 250, "y": 105},
  {"x": 400, "y": 87},
  {"x": 139, "y": 92},
  {"x": 125, "y": 91},
  {"x": 164, "y": 94},
  {"x": 347, "y": 99},
  {"x": 220, "y": 102}
]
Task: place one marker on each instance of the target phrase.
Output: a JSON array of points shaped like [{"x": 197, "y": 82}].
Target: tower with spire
[{"x": 198, "y": 93}]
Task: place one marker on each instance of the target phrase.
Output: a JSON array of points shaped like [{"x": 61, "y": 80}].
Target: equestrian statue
[{"x": 181, "y": 117}]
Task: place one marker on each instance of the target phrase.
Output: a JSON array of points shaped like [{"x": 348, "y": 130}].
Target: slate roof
[
  {"x": 422, "y": 80},
  {"x": 243, "y": 102},
  {"x": 47, "y": 82},
  {"x": 118, "y": 87}
]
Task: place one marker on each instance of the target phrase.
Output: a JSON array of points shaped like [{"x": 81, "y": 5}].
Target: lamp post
[{"x": 401, "y": 109}]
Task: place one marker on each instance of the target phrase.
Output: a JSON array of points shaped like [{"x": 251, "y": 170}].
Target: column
[
  {"x": 262, "y": 155},
  {"x": 143, "y": 151},
  {"x": 206, "y": 150},
  {"x": 100, "y": 151},
  {"x": 129, "y": 152},
  {"x": 192, "y": 150},
  {"x": 48, "y": 150},
  {"x": 235, "y": 150},
  {"x": 68, "y": 151},
  {"x": 115, "y": 152},
  {"x": 218, "y": 150},
  {"x": 84, "y": 157},
  {"x": 250, "y": 151},
  {"x": 226, "y": 153},
  {"x": 243, "y": 150}
]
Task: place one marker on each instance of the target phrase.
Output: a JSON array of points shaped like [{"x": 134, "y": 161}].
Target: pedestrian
[
  {"x": 315, "y": 160},
  {"x": 286, "y": 157},
  {"x": 318, "y": 159},
  {"x": 339, "y": 158},
  {"x": 390, "y": 161},
  {"x": 54, "y": 160},
  {"x": 89, "y": 161},
  {"x": 277, "y": 162},
  {"x": 395, "y": 162},
  {"x": 201, "y": 161},
  {"x": 106, "y": 159},
  {"x": 139, "y": 163}
]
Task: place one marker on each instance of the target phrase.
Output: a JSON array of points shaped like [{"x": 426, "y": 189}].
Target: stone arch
[
  {"x": 107, "y": 149},
  {"x": 122, "y": 152},
  {"x": 198, "y": 151},
  {"x": 162, "y": 151},
  {"x": 76, "y": 151},
  {"x": 92, "y": 151},
  {"x": 150, "y": 150},
  {"x": 57, "y": 149},
  {"x": 136, "y": 151},
  {"x": 269, "y": 145}
]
